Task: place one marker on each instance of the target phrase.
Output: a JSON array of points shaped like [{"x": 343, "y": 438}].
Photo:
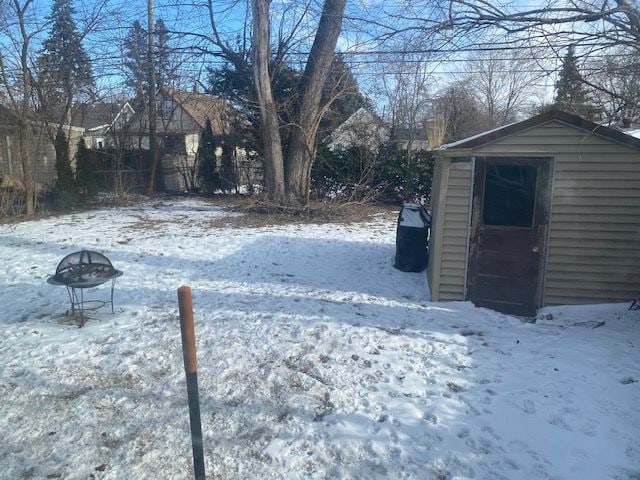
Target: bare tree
[
  {"x": 620, "y": 75},
  {"x": 437, "y": 129},
  {"x": 152, "y": 108},
  {"x": 502, "y": 82},
  {"x": 601, "y": 23},
  {"x": 272, "y": 143},
  {"x": 458, "y": 112},
  {"x": 288, "y": 133},
  {"x": 406, "y": 83},
  {"x": 16, "y": 78},
  {"x": 594, "y": 27},
  {"x": 301, "y": 149}
]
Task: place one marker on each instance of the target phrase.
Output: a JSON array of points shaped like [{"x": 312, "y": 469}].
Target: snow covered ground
[{"x": 317, "y": 360}]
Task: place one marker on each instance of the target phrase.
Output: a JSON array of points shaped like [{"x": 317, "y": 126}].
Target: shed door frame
[{"x": 539, "y": 230}]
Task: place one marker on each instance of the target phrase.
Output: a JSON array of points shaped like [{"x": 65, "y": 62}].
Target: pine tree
[
  {"x": 228, "y": 173},
  {"x": 208, "y": 173},
  {"x": 164, "y": 75},
  {"x": 137, "y": 59},
  {"x": 342, "y": 90},
  {"x": 571, "y": 94},
  {"x": 85, "y": 173},
  {"x": 64, "y": 66}
]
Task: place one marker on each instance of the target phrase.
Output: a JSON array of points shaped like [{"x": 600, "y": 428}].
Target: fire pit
[{"x": 84, "y": 269}]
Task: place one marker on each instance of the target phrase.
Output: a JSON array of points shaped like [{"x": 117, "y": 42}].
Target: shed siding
[
  {"x": 594, "y": 230},
  {"x": 435, "y": 256},
  {"x": 455, "y": 231}
]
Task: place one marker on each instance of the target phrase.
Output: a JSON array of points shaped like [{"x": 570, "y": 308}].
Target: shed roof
[{"x": 541, "y": 119}]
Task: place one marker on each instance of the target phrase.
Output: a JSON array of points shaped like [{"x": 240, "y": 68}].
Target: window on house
[
  {"x": 509, "y": 195},
  {"x": 174, "y": 144},
  {"x": 165, "y": 109}
]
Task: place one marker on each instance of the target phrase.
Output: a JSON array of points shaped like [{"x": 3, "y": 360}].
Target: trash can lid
[{"x": 410, "y": 216}]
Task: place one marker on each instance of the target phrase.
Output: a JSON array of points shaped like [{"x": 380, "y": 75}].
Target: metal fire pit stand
[
  {"x": 78, "y": 303},
  {"x": 84, "y": 269}
]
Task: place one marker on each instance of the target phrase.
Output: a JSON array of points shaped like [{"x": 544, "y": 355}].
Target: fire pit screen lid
[{"x": 84, "y": 268}]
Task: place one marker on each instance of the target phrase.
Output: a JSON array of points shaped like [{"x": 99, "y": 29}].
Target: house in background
[
  {"x": 102, "y": 122},
  {"x": 41, "y": 151},
  {"x": 362, "y": 129},
  {"x": 541, "y": 212},
  {"x": 411, "y": 139},
  {"x": 42, "y": 155},
  {"x": 181, "y": 117}
]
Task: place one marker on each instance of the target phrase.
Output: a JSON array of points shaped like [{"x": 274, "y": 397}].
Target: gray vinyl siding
[
  {"x": 593, "y": 247},
  {"x": 41, "y": 154},
  {"x": 434, "y": 243},
  {"x": 454, "y": 235}
]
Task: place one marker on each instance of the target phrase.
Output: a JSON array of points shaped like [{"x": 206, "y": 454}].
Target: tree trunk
[
  {"x": 302, "y": 144},
  {"x": 273, "y": 157},
  {"x": 23, "y": 123},
  {"x": 151, "y": 73}
]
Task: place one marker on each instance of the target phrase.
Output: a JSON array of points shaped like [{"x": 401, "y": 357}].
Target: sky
[{"x": 443, "y": 59}]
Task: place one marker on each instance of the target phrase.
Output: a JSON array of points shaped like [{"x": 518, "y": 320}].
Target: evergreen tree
[
  {"x": 85, "y": 173},
  {"x": 228, "y": 174},
  {"x": 64, "y": 66},
  {"x": 65, "y": 189},
  {"x": 208, "y": 173},
  {"x": 342, "y": 90},
  {"x": 164, "y": 74},
  {"x": 571, "y": 94},
  {"x": 137, "y": 59},
  {"x": 235, "y": 83}
]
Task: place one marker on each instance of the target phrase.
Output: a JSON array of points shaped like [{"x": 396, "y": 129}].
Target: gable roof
[
  {"x": 541, "y": 119},
  {"x": 96, "y": 115},
  {"x": 362, "y": 128},
  {"x": 201, "y": 106}
]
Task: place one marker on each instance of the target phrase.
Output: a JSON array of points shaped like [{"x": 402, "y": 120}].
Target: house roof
[
  {"x": 201, "y": 106},
  {"x": 361, "y": 127},
  {"x": 96, "y": 114},
  {"x": 541, "y": 119},
  {"x": 91, "y": 115}
]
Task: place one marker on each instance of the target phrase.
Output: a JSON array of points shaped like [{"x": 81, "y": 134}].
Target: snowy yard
[{"x": 317, "y": 360}]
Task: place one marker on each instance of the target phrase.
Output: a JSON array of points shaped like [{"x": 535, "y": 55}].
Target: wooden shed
[{"x": 541, "y": 212}]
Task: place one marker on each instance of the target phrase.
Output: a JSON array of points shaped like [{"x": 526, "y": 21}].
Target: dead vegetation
[
  {"x": 255, "y": 213},
  {"x": 245, "y": 212}
]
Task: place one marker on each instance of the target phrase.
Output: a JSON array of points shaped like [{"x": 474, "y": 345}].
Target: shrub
[
  {"x": 85, "y": 172},
  {"x": 390, "y": 174}
]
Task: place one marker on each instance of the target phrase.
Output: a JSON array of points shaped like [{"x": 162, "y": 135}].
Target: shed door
[{"x": 507, "y": 233}]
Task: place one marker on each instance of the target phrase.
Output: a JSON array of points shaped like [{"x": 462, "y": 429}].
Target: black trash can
[{"x": 412, "y": 238}]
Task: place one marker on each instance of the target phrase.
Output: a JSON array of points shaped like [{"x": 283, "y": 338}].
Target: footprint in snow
[
  {"x": 430, "y": 417},
  {"x": 529, "y": 407},
  {"x": 558, "y": 421}
]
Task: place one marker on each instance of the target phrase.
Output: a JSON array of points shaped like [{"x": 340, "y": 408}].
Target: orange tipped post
[{"x": 185, "y": 306}]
